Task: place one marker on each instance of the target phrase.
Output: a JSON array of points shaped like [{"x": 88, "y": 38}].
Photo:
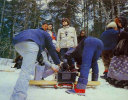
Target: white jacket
[{"x": 66, "y": 37}]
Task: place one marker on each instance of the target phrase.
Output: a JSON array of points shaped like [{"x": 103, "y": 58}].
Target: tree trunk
[
  {"x": 87, "y": 18},
  {"x": 112, "y": 6},
  {"x": 105, "y": 12},
  {"x": 118, "y": 9},
  {"x": 94, "y": 16},
  {"x": 2, "y": 17},
  {"x": 84, "y": 14}
]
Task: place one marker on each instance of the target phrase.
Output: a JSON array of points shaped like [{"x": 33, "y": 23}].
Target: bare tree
[{"x": 2, "y": 16}]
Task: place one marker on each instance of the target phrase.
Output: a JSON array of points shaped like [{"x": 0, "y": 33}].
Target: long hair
[{"x": 121, "y": 48}]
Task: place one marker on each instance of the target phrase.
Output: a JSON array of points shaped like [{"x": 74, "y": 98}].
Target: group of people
[
  {"x": 84, "y": 50},
  {"x": 115, "y": 52}
]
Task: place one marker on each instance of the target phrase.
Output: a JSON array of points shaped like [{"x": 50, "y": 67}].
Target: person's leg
[
  {"x": 94, "y": 66},
  {"x": 87, "y": 56},
  {"x": 71, "y": 62},
  {"x": 106, "y": 57},
  {"x": 62, "y": 53},
  {"x": 28, "y": 51},
  {"x": 39, "y": 70}
]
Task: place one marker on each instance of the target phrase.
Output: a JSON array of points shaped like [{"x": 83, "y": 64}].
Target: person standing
[
  {"x": 121, "y": 23},
  {"x": 66, "y": 39},
  {"x": 53, "y": 36},
  {"x": 81, "y": 36},
  {"x": 110, "y": 39},
  {"x": 45, "y": 26},
  {"x": 50, "y": 31},
  {"x": 118, "y": 69},
  {"x": 29, "y": 44}
]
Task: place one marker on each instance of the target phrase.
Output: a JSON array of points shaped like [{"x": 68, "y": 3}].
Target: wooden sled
[
  {"x": 7, "y": 71},
  {"x": 55, "y": 84}
]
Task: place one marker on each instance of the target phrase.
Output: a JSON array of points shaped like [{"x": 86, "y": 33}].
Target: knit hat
[{"x": 112, "y": 25}]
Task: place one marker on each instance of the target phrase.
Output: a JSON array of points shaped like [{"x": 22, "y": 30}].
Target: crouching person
[
  {"x": 44, "y": 68},
  {"x": 118, "y": 69},
  {"x": 86, "y": 54},
  {"x": 43, "y": 71},
  {"x": 28, "y": 44}
]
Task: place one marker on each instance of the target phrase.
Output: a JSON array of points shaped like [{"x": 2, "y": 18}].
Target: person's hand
[
  {"x": 58, "y": 49},
  {"x": 55, "y": 68}
]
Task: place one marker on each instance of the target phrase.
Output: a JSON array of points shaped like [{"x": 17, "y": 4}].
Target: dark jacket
[
  {"x": 122, "y": 46},
  {"x": 76, "y": 53},
  {"x": 40, "y": 37},
  {"x": 123, "y": 35},
  {"x": 79, "y": 38}
]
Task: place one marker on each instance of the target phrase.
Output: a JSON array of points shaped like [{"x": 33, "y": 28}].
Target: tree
[
  {"x": 59, "y": 9},
  {"x": 16, "y": 16}
]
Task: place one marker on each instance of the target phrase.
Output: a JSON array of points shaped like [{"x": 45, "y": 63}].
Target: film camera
[{"x": 65, "y": 75}]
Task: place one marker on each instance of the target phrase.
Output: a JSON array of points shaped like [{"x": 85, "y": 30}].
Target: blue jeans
[
  {"x": 62, "y": 53},
  {"x": 28, "y": 50},
  {"x": 91, "y": 52},
  {"x": 70, "y": 61}
]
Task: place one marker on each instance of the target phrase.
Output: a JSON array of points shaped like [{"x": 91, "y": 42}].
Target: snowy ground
[{"x": 102, "y": 92}]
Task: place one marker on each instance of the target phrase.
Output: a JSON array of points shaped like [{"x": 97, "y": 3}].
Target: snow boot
[
  {"x": 95, "y": 77},
  {"x": 105, "y": 75},
  {"x": 80, "y": 92}
]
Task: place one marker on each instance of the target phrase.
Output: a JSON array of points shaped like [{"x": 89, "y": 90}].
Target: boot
[
  {"x": 105, "y": 75},
  {"x": 80, "y": 92},
  {"x": 95, "y": 77}
]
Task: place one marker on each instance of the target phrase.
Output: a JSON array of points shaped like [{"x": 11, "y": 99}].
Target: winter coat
[
  {"x": 66, "y": 37},
  {"x": 80, "y": 38},
  {"x": 52, "y": 34},
  {"x": 109, "y": 39},
  {"x": 123, "y": 35},
  {"x": 118, "y": 68},
  {"x": 40, "y": 37},
  {"x": 121, "y": 48}
]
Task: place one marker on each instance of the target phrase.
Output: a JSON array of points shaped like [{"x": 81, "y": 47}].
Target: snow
[{"x": 102, "y": 92}]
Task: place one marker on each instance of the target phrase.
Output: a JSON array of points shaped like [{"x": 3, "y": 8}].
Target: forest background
[{"x": 91, "y": 15}]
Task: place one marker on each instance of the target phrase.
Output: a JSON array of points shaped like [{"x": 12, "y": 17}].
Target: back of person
[
  {"x": 28, "y": 44},
  {"x": 90, "y": 42},
  {"x": 109, "y": 38},
  {"x": 30, "y": 34},
  {"x": 118, "y": 69}
]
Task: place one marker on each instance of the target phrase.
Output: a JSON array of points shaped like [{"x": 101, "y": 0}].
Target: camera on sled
[{"x": 65, "y": 75}]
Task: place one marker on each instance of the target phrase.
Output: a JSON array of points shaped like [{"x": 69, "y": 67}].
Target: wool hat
[{"x": 112, "y": 25}]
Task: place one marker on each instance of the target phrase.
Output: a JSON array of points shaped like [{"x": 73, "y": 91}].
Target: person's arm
[
  {"x": 75, "y": 38},
  {"x": 58, "y": 41}
]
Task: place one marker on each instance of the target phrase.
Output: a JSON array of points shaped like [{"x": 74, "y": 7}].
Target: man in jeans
[
  {"x": 29, "y": 43},
  {"x": 86, "y": 55}
]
